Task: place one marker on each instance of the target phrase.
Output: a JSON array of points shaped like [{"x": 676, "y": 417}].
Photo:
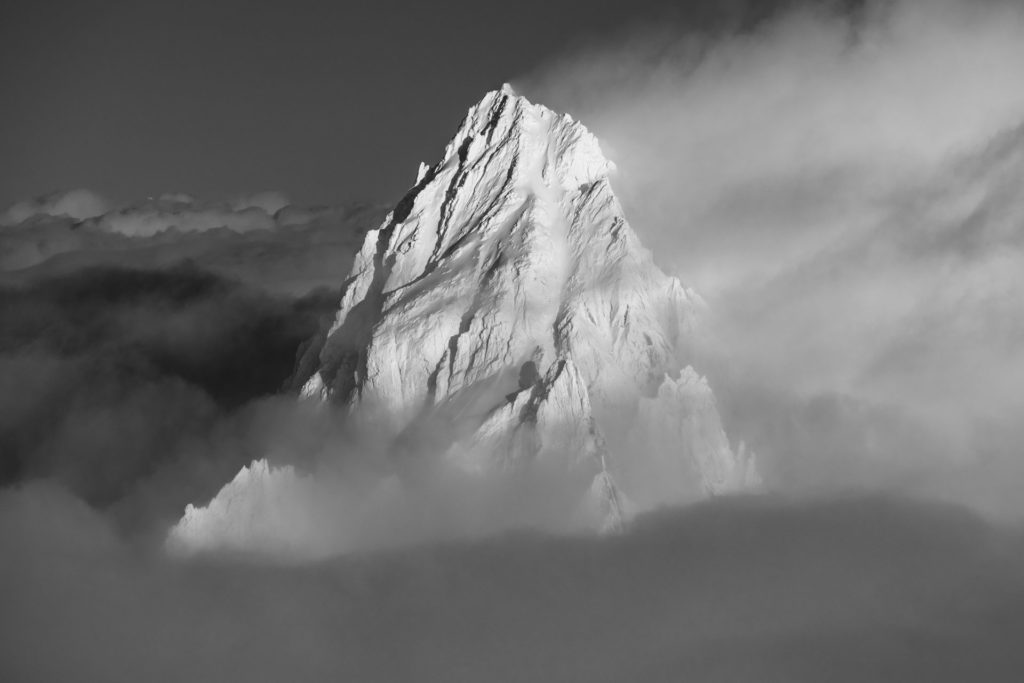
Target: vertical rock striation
[
  {"x": 507, "y": 296},
  {"x": 505, "y": 320}
]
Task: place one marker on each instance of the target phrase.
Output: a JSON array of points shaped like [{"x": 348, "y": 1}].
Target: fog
[{"x": 843, "y": 188}]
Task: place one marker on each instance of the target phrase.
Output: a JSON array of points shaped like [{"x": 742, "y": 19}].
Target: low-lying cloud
[
  {"x": 75, "y": 204},
  {"x": 183, "y": 214},
  {"x": 111, "y": 378},
  {"x": 733, "y": 590},
  {"x": 171, "y": 211}
]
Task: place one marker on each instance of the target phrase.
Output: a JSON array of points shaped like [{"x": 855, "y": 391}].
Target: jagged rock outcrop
[
  {"x": 255, "y": 510},
  {"x": 507, "y": 298}
]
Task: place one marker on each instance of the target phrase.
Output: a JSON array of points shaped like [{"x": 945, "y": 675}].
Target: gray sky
[{"x": 326, "y": 101}]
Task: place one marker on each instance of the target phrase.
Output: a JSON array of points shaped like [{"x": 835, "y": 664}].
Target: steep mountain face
[
  {"x": 506, "y": 337},
  {"x": 505, "y": 313}
]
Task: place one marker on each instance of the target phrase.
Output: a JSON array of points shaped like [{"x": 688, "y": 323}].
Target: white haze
[{"x": 845, "y": 191}]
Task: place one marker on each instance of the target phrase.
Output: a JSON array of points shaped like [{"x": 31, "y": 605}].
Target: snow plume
[{"x": 844, "y": 190}]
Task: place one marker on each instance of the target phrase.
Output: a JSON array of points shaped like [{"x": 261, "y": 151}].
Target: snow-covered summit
[
  {"x": 507, "y": 293},
  {"x": 505, "y": 317}
]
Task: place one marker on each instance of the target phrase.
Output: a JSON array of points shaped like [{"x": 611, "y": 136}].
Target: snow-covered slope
[
  {"x": 506, "y": 314},
  {"x": 508, "y": 288},
  {"x": 254, "y": 510}
]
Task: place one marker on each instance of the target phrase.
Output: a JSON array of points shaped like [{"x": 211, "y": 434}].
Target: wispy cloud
[{"x": 844, "y": 189}]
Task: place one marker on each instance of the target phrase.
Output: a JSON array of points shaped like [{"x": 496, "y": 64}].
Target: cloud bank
[
  {"x": 734, "y": 590},
  {"x": 142, "y": 390},
  {"x": 184, "y": 214},
  {"x": 75, "y": 204}
]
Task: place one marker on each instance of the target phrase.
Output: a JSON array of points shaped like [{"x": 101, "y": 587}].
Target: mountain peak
[
  {"x": 507, "y": 290},
  {"x": 505, "y": 317},
  {"x": 502, "y": 119}
]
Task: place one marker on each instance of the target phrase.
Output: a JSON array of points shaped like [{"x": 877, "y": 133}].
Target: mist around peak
[{"x": 842, "y": 188}]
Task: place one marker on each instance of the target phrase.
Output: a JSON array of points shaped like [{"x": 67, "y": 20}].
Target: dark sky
[{"x": 327, "y": 101}]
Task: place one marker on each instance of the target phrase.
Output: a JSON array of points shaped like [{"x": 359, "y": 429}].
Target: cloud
[
  {"x": 733, "y": 589},
  {"x": 350, "y": 496},
  {"x": 143, "y": 390},
  {"x": 308, "y": 248},
  {"x": 75, "y": 204},
  {"x": 154, "y": 216},
  {"x": 169, "y": 211},
  {"x": 843, "y": 188},
  {"x": 269, "y": 202}
]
